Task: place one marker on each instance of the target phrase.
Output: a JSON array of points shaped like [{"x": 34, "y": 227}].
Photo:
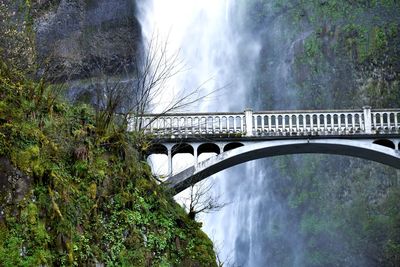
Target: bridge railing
[
  {"x": 300, "y": 122},
  {"x": 271, "y": 123},
  {"x": 385, "y": 120},
  {"x": 192, "y": 124}
]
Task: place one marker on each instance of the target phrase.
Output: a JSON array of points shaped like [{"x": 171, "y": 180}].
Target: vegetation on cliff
[
  {"x": 87, "y": 196},
  {"x": 337, "y": 54},
  {"x": 344, "y": 51}
]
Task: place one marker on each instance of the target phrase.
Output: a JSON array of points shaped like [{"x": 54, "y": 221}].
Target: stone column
[
  {"x": 248, "y": 114},
  {"x": 367, "y": 119},
  {"x": 169, "y": 162},
  {"x": 195, "y": 155}
]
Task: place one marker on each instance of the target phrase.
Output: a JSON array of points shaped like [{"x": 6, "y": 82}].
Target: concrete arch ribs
[{"x": 365, "y": 149}]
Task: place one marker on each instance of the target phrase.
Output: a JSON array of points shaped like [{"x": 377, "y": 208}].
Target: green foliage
[
  {"x": 93, "y": 198},
  {"x": 16, "y": 34},
  {"x": 346, "y": 53},
  {"x": 345, "y": 214}
]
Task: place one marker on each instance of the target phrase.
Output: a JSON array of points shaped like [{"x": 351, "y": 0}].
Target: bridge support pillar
[
  {"x": 196, "y": 157},
  {"x": 248, "y": 116},
  {"x": 169, "y": 162},
  {"x": 367, "y": 119}
]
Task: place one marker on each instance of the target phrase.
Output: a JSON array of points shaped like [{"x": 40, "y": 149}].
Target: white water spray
[{"x": 219, "y": 56}]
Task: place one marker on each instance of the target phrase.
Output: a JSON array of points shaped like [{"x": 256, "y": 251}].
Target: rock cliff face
[
  {"x": 13, "y": 183},
  {"x": 78, "y": 36}
]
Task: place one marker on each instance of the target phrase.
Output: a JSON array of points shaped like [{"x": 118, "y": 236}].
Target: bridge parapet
[
  {"x": 270, "y": 123},
  {"x": 385, "y": 120}
]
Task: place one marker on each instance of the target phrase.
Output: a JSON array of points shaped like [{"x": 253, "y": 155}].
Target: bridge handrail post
[
  {"x": 248, "y": 114},
  {"x": 367, "y": 119}
]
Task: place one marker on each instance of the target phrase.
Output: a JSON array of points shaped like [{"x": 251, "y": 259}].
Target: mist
[{"x": 282, "y": 211}]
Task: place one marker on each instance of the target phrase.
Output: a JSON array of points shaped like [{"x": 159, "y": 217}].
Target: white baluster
[
  {"x": 185, "y": 124},
  {"x": 302, "y": 123},
  {"x": 336, "y": 121},
  {"x": 388, "y": 120},
  {"x": 263, "y": 123},
  {"x": 269, "y": 123},
  {"x": 199, "y": 124},
  {"x": 255, "y": 118}
]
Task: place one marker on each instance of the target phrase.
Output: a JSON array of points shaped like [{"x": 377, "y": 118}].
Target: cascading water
[
  {"x": 220, "y": 56},
  {"x": 209, "y": 40},
  {"x": 219, "y": 52}
]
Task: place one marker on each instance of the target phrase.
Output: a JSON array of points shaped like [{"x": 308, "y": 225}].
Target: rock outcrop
[
  {"x": 14, "y": 185},
  {"x": 75, "y": 37}
]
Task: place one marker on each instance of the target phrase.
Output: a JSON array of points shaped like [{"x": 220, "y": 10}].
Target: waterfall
[
  {"x": 208, "y": 36},
  {"x": 219, "y": 54}
]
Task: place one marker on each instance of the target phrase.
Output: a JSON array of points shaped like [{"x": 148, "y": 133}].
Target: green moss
[{"x": 93, "y": 198}]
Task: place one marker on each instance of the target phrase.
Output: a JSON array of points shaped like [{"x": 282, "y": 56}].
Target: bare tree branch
[{"x": 200, "y": 200}]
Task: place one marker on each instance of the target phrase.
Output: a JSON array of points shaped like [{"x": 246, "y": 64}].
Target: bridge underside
[{"x": 379, "y": 150}]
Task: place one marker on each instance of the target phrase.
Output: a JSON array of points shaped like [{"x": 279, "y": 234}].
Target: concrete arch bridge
[{"x": 240, "y": 137}]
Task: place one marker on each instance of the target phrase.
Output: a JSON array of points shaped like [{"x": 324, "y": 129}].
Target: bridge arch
[
  {"x": 157, "y": 148},
  {"x": 232, "y": 145},
  {"x": 365, "y": 149},
  {"x": 208, "y": 148},
  {"x": 386, "y": 143},
  {"x": 182, "y": 148}
]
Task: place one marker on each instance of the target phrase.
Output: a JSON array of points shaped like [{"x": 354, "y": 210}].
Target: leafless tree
[
  {"x": 201, "y": 200},
  {"x": 130, "y": 88},
  {"x": 227, "y": 260},
  {"x": 220, "y": 261},
  {"x": 153, "y": 73}
]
